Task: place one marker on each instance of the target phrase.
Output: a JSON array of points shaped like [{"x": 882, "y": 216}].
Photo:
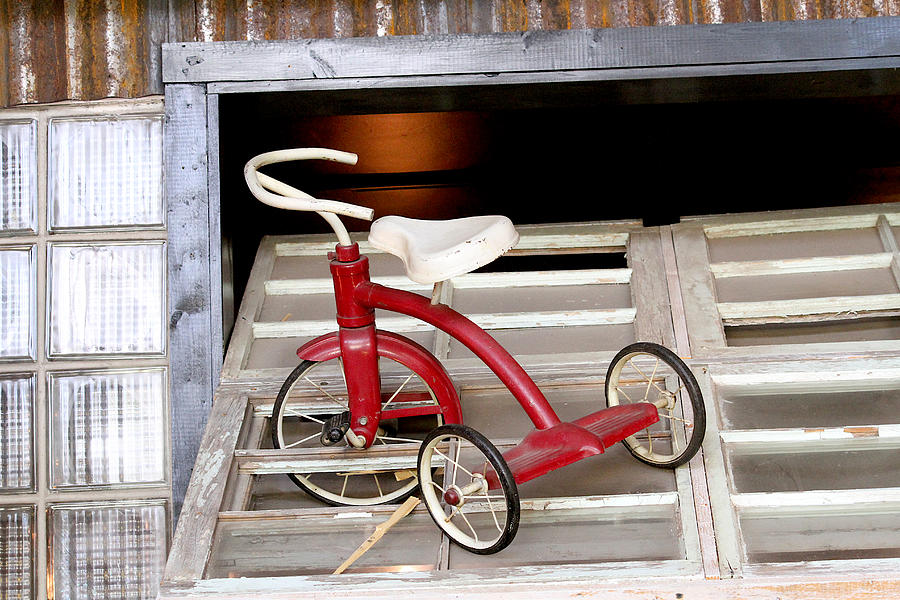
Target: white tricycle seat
[{"x": 434, "y": 251}]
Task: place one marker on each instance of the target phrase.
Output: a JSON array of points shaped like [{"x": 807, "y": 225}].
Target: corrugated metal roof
[
  {"x": 80, "y": 49},
  {"x": 88, "y": 49}
]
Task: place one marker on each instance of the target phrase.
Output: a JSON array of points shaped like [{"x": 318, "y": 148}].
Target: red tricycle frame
[{"x": 358, "y": 343}]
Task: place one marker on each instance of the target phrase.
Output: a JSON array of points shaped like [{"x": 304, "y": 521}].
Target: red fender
[{"x": 406, "y": 352}]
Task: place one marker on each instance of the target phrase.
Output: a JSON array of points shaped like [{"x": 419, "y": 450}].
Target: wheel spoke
[
  {"x": 674, "y": 418},
  {"x": 493, "y": 514},
  {"x": 306, "y": 439},
  {"x": 399, "y": 389},
  {"x": 618, "y": 389},
  {"x": 674, "y": 436},
  {"x": 474, "y": 533},
  {"x": 343, "y": 374},
  {"x": 653, "y": 383},
  {"x": 454, "y": 463},
  {"x": 453, "y": 511},
  {"x": 396, "y": 439},
  {"x": 456, "y": 466},
  {"x": 296, "y": 413},
  {"x": 650, "y": 381},
  {"x": 326, "y": 392}
]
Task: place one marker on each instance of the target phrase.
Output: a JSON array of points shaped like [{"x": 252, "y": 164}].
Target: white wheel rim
[
  {"x": 456, "y": 521},
  {"x": 655, "y": 386}
]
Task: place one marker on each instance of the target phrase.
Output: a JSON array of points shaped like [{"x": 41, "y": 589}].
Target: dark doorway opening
[{"x": 650, "y": 152}]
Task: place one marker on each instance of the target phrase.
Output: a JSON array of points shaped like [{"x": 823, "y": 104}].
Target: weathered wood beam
[
  {"x": 611, "y": 316},
  {"x": 791, "y": 266},
  {"x": 534, "y": 51},
  {"x": 817, "y": 502},
  {"x": 806, "y": 440},
  {"x": 836, "y": 308},
  {"x": 193, "y": 539},
  {"x": 194, "y": 319},
  {"x": 285, "y": 287}
]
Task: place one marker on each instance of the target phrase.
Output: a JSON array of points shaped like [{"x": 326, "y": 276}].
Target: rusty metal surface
[
  {"x": 80, "y": 49},
  {"x": 88, "y": 49}
]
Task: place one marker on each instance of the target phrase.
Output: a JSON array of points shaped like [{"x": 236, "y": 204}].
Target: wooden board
[{"x": 532, "y": 51}]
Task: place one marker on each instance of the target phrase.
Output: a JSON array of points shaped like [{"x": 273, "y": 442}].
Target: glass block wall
[{"x": 85, "y": 477}]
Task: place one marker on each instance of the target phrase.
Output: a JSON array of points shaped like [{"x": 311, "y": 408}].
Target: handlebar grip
[
  {"x": 267, "y": 158},
  {"x": 291, "y": 198}
]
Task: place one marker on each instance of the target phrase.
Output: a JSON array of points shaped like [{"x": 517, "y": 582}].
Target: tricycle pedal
[{"x": 335, "y": 428}]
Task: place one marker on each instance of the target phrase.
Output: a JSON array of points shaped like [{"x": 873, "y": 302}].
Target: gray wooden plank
[
  {"x": 703, "y": 321},
  {"x": 667, "y": 244},
  {"x": 217, "y": 277},
  {"x": 727, "y": 547},
  {"x": 191, "y": 329},
  {"x": 622, "y": 581},
  {"x": 890, "y": 245},
  {"x": 251, "y": 304},
  {"x": 649, "y": 293},
  {"x": 532, "y": 51},
  {"x": 804, "y": 78},
  {"x": 157, "y": 12},
  {"x": 239, "y": 487},
  {"x": 700, "y": 496},
  {"x": 804, "y": 219},
  {"x": 194, "y": 536},
  {"x": 530, "y": 582}
]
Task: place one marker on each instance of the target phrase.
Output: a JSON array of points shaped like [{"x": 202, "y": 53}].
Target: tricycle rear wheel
[
  {"x": 648, "y": 372},
  {"x": 468, "y": 489}
]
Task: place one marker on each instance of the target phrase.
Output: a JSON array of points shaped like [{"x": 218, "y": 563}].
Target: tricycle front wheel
[
  {"x": 648, "y": 372},
  {"x": 315, "y": 391}
]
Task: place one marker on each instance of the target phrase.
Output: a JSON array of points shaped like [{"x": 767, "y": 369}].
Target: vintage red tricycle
[{"x": 359, "y": 389}]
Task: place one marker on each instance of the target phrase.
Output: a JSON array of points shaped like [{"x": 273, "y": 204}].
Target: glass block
[
  {"x": 17, "y": 303},
  {"x": 16, "y": 553},
  {"x": 16, "y": 427},
  {"x": 18, "y": 176},
  {"x": 107, "y": 428},
  {"x": 106, "y": 172},
  {"x": 107, "y": 551},
  {"x": 106, "y": 299}
]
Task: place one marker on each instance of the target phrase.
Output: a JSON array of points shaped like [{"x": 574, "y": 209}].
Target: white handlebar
[{"x": 291, "y": 198}]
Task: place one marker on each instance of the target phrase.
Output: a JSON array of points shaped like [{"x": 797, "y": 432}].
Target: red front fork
[
  {"x": 358, "y": 351},
  {"x": 357, "y": 340},
  {"x": 357, "y": 297}
]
